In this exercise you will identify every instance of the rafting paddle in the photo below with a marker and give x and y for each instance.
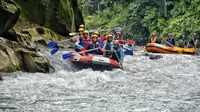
(54, 51)
(66, 56)
(169, 43)
(69, 55)
(54, 44)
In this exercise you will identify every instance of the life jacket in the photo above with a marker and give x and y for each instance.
(192, 42)
(119, 53)
(82, 44)
(86, 39)
(93, 46)
(100, 41)
(121, 40)
(103, 38)
(153, 40)
(170, 41)
(108, 46)
(128, 51)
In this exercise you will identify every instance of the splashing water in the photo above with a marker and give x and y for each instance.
(168, 84)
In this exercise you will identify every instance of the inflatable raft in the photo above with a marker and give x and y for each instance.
(158, 48)
(96, 62)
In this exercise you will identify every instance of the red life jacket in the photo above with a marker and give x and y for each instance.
(86, 39)
(93, 46)
(121, 40)
(103, 38)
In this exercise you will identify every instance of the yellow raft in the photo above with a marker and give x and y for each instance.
(158, 48)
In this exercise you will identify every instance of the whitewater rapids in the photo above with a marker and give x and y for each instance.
(169, 84)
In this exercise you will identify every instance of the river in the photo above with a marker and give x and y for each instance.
(169, 84)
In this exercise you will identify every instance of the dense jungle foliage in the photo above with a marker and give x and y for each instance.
(140, 18)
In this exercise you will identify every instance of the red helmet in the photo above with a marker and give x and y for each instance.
(130, 41)
(118, 32)
(116, 42)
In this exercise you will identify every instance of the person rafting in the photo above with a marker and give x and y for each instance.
(79, 35)
(154, 38)
(119, 37)
(117, 53)
(193, 42)
(170, 40)
(82, 26)
(80, 45)
(182, 41)
(94, 44)
(129, 47)
(108, 46)
(99, 40)
(86, 36)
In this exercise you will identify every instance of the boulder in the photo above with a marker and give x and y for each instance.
(8, 61)
(31, 36)
(15, 57)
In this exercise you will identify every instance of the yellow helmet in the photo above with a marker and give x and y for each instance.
(96, 33)
(82, 26)
(94, 36)
(85, 32)
(109, 35)
(80, 29)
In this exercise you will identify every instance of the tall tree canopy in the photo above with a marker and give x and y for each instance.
(139, 18)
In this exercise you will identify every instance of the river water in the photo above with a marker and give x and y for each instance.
(169, 84)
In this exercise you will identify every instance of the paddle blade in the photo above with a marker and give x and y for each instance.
(66, 56)
(72, 34)
(51, 44)
(54, 51)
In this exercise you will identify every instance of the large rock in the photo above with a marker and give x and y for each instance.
(62, 16)
(15, 57)
(9, 14)
(30, 34)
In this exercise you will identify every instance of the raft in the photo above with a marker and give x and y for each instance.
(96, 62)
(158, 48)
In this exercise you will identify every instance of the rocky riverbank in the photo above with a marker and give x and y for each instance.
(25, 26)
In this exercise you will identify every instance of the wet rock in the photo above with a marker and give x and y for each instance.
(9, 62)
(1, 79)
(15, 57)
(155, 57)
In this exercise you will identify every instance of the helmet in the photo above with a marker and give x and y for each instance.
(96, 33)
(130, 41)
(153, 33)
(116, 42)
(85, 32)
(109, 35)
(169, 34)
(183, 36)
(118, 32)
(82, 26)
(80, 29)
(194, 34)
(94, 36)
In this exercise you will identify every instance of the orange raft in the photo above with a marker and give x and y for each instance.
(158, 48)
(95, 62)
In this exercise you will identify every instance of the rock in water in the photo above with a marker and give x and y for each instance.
(15, 57)
(1, 79)
(155, 57)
